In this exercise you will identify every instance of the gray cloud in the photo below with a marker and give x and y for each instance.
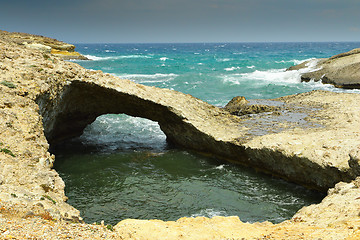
(184, 20)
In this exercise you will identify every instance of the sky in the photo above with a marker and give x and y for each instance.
(169, 21)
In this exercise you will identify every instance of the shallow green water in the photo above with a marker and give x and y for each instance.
(145, 181)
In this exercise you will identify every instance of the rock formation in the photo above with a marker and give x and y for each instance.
(44, 44)
(342, 70)
(311, 138)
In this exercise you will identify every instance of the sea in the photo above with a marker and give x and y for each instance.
(123, 167)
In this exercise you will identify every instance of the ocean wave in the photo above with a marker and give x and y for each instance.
(319, 85)
(295, 61)
(311, 66)
(223, 59)
(113, 131)
(209, 213)
(250, 67)
(232, 69)
(143, 78)
(273, 76)
(96, 58)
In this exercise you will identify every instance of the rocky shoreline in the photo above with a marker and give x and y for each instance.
(312, 139)
(341, 70)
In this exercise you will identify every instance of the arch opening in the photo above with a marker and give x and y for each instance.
(119, 132)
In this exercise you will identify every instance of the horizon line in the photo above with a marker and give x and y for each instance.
(230, 42)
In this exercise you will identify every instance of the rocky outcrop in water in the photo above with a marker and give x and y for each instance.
(342, 70)
(312, 139)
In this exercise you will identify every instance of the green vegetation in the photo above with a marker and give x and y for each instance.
(13, 195)
(6, 151)
(46, 56)
(8, 84)
(49, 198)
(110, 227)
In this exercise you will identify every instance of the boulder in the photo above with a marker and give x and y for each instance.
(239, 106)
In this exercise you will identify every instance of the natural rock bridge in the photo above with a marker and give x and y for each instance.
(279, 142)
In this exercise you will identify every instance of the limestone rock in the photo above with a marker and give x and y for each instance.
(239, 106)
(44, 44)
(342, 70)
(236, 104)
(38, 46)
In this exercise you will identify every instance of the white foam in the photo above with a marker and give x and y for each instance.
(279, 76)
(114, 131)
(273, 76)
(250, 67)
(209, 213)
(223, 59)
(295, 61)
(318, 85)
(164, 58)
(134, 56)
(96, 58)
(311, 66)
(231, 68)
(144, 78)
(109, 51)
(220, 167)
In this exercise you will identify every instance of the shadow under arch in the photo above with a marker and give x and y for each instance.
(185, 120)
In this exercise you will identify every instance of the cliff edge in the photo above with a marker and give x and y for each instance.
(44, 44)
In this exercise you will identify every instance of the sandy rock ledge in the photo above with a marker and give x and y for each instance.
(312, 139)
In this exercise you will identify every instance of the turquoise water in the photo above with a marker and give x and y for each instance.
(122, 167)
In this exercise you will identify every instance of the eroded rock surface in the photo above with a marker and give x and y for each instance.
(313, 139)
(43, 44)
(342, 70)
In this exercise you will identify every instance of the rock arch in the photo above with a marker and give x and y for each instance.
(186, 120)
(194, 124)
